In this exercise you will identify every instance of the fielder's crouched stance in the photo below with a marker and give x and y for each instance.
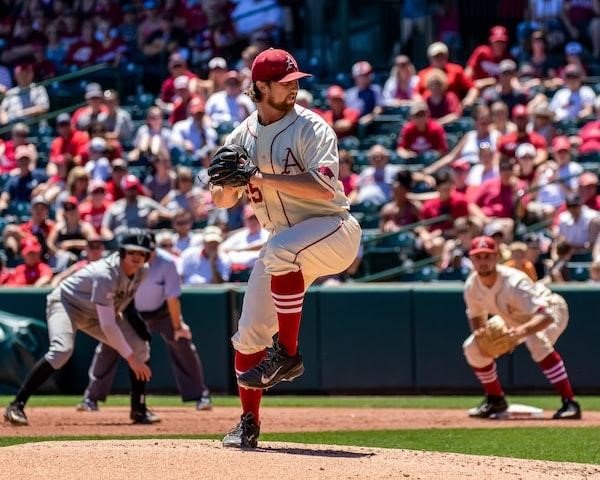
(524, 312)
(92, 300)
(285, 159)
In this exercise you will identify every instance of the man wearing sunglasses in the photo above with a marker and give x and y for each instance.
(92, 300)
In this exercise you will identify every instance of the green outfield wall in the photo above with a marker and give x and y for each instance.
(385, 338)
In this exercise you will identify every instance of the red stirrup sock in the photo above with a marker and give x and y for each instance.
(288, 295)
(488, 376)
(554, 368)
(250, 398)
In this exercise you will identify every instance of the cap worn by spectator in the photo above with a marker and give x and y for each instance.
(561, 143)
(507, 66)
(196, 105)
(525, 150)
(461, 165)
(39, 200)
(70, 200)
(418, 107)
(217, 63)
(519, 111)
(63, 118)
(498, 34)
(93, 90)
(493, 228)
(361, 68)
(232, 75)
(20, 128)
(23, 67)
(572, 71)
(588, 179)
(96, 185)
(26, 151)
(129, 182)
(212, 234)
(483, 244)
(437, 48)
(182, 81)
(30, 245)
(573, 199)
(98, 145)
(543, 110)
(573, 48)
(275, 65)
(119, 164)
(335, 91)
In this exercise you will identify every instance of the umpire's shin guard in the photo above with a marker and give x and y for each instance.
(138, 393)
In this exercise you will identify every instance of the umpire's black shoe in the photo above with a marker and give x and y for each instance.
(144, 417)
(570, 410)
(15, 414)
(491, 407)
(244, 434)
(276, 367)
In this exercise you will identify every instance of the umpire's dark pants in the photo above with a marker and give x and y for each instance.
(187, 367)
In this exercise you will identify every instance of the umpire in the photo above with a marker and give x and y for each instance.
(158, 304)
(92, 300)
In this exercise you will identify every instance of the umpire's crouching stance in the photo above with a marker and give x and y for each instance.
(92, 300)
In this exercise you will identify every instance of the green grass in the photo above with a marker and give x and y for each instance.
(581, 445)
(550, 402)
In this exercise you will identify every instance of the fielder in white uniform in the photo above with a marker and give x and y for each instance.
(297, 197)
(535, 315)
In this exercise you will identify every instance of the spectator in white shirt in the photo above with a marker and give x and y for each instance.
(575, 100)
(229, 104)
(184, 237)
(486, 168)
(365, 96)
(26, 99)
(243, 246)
(194, 135)
(204, 264)
(574, 223)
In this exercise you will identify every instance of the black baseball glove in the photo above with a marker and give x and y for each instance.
(231, 166)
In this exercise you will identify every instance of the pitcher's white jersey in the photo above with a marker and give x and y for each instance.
(298, 143)
(514, 296)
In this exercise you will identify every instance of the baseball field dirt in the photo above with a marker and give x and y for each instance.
(164, 459)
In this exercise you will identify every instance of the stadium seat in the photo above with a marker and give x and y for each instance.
(578, 272)
(461, 125)
(428, 273)
(399, 240)
(453, 274)
(592, 157)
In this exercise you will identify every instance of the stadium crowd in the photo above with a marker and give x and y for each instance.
(507, 144)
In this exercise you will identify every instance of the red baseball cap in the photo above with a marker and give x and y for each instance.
(71, 199)
(130, 181)
(483, 244)
(30, 245)
(335, 91)
(498, 34)
(461, 165)
(276, 65)
(561, 143)
(519, 111)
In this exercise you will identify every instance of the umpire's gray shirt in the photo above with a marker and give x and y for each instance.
(99, 283)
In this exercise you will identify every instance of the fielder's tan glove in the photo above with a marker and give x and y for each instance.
(496, 339)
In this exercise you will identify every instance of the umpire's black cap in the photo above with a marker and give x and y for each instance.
(137, 240)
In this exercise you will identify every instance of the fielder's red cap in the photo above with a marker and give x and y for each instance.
(276, 65)
(483, 244)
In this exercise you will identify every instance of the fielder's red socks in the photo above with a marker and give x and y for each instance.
(288, 295)
(554, 368)
(250, 398)
(488, 376)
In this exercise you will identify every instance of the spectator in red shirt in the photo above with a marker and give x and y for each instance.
(5, 273)
(177, 67)
(485, 60)
(83, 52)
(590, 137)
(69, 142)
(421, 134)
(18, 136)
(33, 272)
(444, 106)
(114, 191)
(92, 209)
(507, 144)
(349, 178)
(182, 99)
(38, 227)
(341, 118)
(497, 197)
(400, 211)
(110, 48)
(450, 202)
(458, 82)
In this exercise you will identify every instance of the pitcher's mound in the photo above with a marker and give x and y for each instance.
(206, 459)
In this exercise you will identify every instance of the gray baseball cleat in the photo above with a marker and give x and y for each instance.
(87, 405)
(144, 417)
(205, 403)
(244, 434)
(276, 367)
(15, 414)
